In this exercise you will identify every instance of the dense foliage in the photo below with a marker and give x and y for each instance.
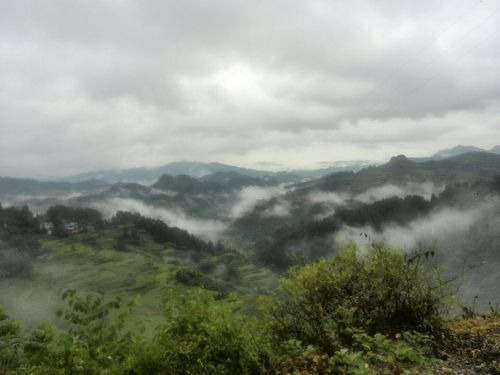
(59, 215)
(324, 303)
(352, 314)
(356, 312)
(18, 244)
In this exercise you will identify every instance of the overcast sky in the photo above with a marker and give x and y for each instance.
(87, 85)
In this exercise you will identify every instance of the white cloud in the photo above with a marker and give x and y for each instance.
(441, 226)
(425, 190)
(207, 229)
(280, 209)
(250, 196)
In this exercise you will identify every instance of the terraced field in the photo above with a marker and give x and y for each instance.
(144, 274)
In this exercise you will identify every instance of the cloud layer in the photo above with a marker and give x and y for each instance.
(99, 84)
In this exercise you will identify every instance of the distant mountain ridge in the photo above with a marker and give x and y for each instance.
(459, 150)
(11, 189)
(455, 151)
(200, 170)
(496, 149)
(150, 175)
(458, 164)
(464, 167)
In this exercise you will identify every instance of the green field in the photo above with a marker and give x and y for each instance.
(144, 273)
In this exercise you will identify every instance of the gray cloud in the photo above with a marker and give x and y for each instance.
(98, 84)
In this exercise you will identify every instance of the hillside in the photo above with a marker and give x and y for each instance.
(213, 183)
(131, 257)
(148, 175)
(466, 167)
(157, 309)
(119, 253)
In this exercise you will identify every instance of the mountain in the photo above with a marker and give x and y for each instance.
(16, 189)
(399, 170)
(235, 180)
(216, 182)
(149, 175)
(183, 184)
(334, 167)
(199, 170)
(457, 150)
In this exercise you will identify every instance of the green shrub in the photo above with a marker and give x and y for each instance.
(193, 277)
(93, 344)
(367, 355)
(9, 344)
(203, 336)
(380, 292)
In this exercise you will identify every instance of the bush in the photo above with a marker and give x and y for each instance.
(9, 344)
(368, 355)
(193, 277)
(324, 303)
(203, 336)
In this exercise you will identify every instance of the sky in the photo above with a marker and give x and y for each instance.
(93, 84)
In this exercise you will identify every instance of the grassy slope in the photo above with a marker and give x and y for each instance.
(88, 263)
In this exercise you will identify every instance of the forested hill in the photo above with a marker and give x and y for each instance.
(217, 182)
(400, 170)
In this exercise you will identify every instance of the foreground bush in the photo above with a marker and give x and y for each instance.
(202, 336)
(406, 353)
(358, 314)
(9, 344)
(325, 303)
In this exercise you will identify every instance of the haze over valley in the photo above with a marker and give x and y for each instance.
(281, 218)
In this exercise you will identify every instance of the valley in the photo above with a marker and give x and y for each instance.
(234, 239)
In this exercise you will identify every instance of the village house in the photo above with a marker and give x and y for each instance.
(47, 226)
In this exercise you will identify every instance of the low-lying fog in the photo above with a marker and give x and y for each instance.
(458, 233)
(207, 229)
(466, 242)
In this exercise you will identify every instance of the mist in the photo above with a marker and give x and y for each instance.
(206, 229)
(281, 208)
(465, 241)
(425, 190)
(17, 199)
(250, 196)
(332, 200)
